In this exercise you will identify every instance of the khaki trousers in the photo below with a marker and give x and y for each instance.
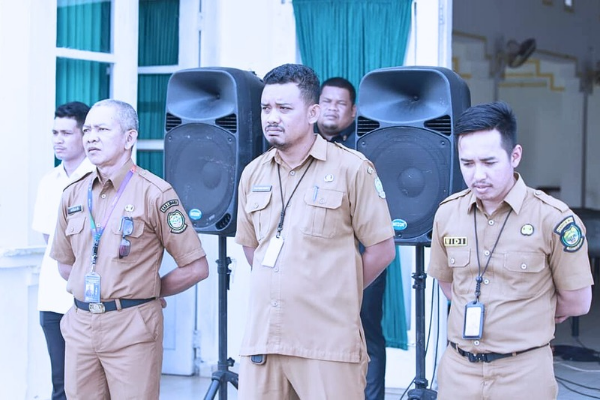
(287, 377)
(115, 355)
(526, 376)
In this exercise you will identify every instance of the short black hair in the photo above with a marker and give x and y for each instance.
(75, 110)
(486, 117)
(341, 83)
(303, 76)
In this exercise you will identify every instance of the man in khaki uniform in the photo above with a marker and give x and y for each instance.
(303, 208)
(112, 229)
(512, 260)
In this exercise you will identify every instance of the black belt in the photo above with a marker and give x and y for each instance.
(488, 357)
(99, 308)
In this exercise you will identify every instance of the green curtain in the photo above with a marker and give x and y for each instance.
(84, 25)
(81, 80)
(352, 37)
(394, 314)
(158, 45)
(158, 32)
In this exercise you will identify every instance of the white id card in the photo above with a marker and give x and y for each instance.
(473, 328)
(273, 251)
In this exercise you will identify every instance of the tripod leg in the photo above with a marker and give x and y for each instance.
(212, 390)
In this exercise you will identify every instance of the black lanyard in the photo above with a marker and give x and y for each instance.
(479, 278)
(285, 206)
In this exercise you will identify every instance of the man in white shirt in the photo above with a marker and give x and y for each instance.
(53, 298)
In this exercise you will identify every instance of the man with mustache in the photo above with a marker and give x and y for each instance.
(304, 206)
(53, 298)
(513, 261)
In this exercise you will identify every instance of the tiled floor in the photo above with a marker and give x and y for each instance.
(578, 380)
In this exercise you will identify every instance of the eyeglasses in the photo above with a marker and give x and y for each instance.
(126, 229)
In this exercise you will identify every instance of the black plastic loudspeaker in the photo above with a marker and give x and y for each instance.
(212, 132)
(404, 126)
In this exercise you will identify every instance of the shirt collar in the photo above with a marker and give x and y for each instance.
(120, 175)
(514, 198)
(318, 151)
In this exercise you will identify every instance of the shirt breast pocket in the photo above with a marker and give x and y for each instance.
(525, 274)
(256, 207)
(75, 232)
(323, 214)
(463, 275)
(131, 246)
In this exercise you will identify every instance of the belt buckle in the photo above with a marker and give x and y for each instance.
(97, 308)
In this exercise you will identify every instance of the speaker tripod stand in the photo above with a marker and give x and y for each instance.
(420, 392)
(222, 375)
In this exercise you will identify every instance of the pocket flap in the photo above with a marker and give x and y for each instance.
(524, 262)
(257, 201)
(75, 226)
(458, 258)
(325, 198)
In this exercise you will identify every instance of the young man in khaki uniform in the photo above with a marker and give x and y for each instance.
(113, 227)
(303, 208)
(512, 260)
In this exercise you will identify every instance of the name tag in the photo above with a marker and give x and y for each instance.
(261, 188)
(74, 209)
(454, 241)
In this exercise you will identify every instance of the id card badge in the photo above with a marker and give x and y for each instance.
(473, 328)
(273, 251)
(92, 288)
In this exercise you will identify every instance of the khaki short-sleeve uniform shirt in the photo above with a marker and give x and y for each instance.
(159, 222)
(308, 303)
(541, 248)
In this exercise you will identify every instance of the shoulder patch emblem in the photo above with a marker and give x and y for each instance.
(176, 221)
(570, 234)
(379, 188)
(168, 205)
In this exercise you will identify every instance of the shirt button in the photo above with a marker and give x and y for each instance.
(452, 261)
(476, 342)
(274, 303)
(523, 266)
(491, 222)
(486, 253)
(486, 281)
(276, 269)
(103, 195)
(255, 205)
(292, 173)
(321, 201)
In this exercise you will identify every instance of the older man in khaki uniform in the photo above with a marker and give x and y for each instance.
(113, 227)
(512, 259)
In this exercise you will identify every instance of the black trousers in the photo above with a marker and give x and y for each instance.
(50, 322)
(371, 314)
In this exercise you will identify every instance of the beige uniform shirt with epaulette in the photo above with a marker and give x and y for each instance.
(541, 249)
(159, 222)
(308, 303)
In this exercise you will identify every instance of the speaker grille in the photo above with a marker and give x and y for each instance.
(200, 164)
(413, 165)
(365, 125)
(229, 123)
(441, 124)
(171, 122)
